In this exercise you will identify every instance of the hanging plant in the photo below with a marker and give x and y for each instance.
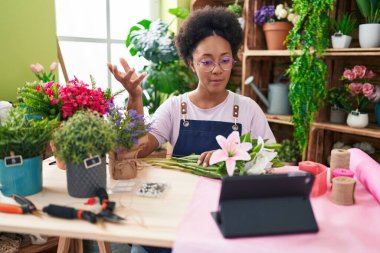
(308, 70)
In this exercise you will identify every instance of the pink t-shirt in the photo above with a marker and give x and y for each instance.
(166, 120)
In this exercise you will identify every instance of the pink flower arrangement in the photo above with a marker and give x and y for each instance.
(362, 92)
(77, 95)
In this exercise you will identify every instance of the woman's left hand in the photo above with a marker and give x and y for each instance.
(204, 158)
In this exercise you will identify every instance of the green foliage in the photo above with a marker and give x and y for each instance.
(308, 71)
(23, 136)
(289, 151)
(345, 25)
(85, 134)
(339, 97)
(235, 8)
(37, 102)
(166, 73)
(370, 9)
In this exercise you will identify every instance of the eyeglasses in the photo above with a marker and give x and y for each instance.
(208, 65)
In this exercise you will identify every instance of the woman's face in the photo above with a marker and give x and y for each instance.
(212, 62)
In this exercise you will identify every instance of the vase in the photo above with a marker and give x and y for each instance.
(340, 41)
(377, 113)
(369, 35)
(337, 115)
(275, 34)
(357, 119)
(123, 164)
(25, 179)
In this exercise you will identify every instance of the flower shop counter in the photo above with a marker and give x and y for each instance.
(149, 221)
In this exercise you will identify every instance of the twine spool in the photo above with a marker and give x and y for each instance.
(340, 158)
(343, 189)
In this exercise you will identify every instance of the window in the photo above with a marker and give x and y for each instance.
(92, 33)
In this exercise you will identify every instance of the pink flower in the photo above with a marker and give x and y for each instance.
(38, 88)
(368, 90)
(53, 66)
(369, 74)
(359, 71)
(355, 88)
(54, 101)
(232, 150)
(349, 75)
(36, 68)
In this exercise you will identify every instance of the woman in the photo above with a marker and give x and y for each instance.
(207, 41)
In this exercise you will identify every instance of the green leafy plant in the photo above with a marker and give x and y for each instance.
(345, 25)
(308, 70)
(370, 9)
(85, 134)
(339, 97)
(24, 136)
(235, 8)
(166, 73)
(289, 151)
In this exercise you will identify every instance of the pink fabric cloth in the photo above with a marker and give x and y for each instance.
(367, 171)
(353, 228)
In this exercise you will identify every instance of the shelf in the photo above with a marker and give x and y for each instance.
(371, 131)
(280, 119)
(329, 52)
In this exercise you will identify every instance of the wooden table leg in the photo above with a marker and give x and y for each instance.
(104, 247)
(63, 245)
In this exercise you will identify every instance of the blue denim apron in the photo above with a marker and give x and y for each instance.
(198, 136)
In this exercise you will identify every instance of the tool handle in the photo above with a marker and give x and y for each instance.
(101, 193)
(8, 208)
(24, 201)
(69, 213)
(60, 211)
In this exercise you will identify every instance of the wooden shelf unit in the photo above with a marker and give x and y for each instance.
(263, 64)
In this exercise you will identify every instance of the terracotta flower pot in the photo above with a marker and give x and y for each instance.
(123, 164)
(275, 34)
(60, 163)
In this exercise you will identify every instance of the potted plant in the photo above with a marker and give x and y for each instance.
(289, 152)
(276, 22)
(369, 33)
(338, 99)
(238, 10)
(166, 74)
(361, 91)
(22, 142)
(129, 127)
(83, 142)
(343, 29)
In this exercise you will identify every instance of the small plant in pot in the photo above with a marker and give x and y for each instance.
(83, 142)
(238, 10)
(343, 29)
(289, 152)
(369, 32)
(338, 99)
(130, 128)
(22, 142)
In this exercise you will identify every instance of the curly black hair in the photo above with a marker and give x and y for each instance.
(206, 22)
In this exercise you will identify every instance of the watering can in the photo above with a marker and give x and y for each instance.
(277, 101)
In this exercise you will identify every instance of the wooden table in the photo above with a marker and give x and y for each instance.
(149, 221)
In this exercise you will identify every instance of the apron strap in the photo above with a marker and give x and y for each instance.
(185, 122)
(235, 112)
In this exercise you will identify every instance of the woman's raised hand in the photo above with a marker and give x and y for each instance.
(128, 79)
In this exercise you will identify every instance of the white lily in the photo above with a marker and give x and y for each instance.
(262, 161)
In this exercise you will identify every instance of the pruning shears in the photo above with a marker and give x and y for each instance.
(26, 206)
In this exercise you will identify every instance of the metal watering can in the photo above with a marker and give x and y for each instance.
(277, 101)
